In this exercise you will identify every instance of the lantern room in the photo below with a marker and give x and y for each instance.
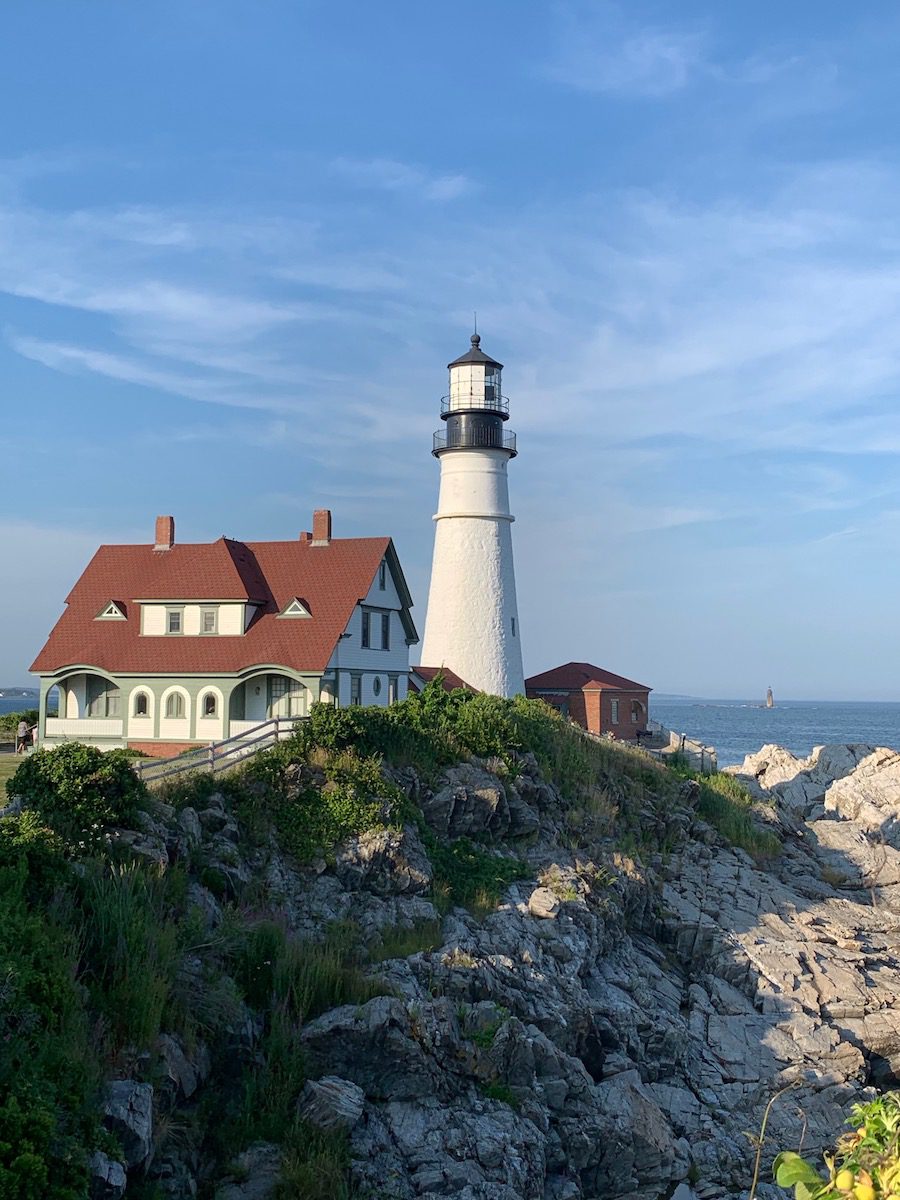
(475, 383)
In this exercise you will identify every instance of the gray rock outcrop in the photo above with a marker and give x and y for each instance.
(128, 1113)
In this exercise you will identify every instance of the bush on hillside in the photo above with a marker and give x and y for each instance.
(47, 1079)
(24, 840)
(78, 790)
(313, 815)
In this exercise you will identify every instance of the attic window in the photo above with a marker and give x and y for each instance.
(112, 612)
(296, 608)
(382, 576)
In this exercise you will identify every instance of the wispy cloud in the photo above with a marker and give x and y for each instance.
(600, 49)
(388, 175)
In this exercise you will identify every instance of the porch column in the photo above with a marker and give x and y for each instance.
(46, 685)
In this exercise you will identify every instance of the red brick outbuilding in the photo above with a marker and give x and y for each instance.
(596, 699)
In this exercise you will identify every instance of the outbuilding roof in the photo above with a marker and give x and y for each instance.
(449, 679)
(582, 677)
(332, 578)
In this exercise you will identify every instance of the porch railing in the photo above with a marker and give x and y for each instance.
(78, 727)
(218, 756)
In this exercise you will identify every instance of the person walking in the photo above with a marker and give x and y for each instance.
(21, 736)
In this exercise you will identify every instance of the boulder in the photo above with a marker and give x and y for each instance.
(108, 1179)
(189, 824)
(543, 903)
(256, 1174)
(331, 1103)
(383, 1048)
(385, 861)
(473, 801)
(128, 1113)
(179, 1071)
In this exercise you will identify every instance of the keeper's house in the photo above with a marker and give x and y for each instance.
(596, 699)
(164, 646)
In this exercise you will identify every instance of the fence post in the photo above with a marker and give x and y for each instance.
(212, 758)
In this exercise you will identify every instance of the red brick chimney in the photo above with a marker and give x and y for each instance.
(321, 527)
(305, 536)
(165, 533)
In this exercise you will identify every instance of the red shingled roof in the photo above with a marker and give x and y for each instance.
(331, 579)
(579, 676)
(450, 679)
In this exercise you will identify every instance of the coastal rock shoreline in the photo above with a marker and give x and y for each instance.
(614, 1027)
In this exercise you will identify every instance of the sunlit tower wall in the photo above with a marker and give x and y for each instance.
(472, 623)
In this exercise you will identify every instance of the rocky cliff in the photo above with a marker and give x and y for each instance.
(611, 1023)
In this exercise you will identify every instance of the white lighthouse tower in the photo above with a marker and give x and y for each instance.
(472, 625)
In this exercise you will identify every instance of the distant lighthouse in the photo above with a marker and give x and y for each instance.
(472, 624)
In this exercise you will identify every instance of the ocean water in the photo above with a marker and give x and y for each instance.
(737, 727)
(10, 704)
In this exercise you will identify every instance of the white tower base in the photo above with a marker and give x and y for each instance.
(472, 625)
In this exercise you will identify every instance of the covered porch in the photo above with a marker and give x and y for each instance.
(90, 708)
(269, 693)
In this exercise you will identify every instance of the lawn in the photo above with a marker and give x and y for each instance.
(8, 764)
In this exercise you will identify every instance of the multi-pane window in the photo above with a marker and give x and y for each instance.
(356, 689)
(385, 631)
(208, 620)
(366, 629)
(103, 698)
(382, 576)
(286, 697)
(614, 710)
(173, 620)
(175, 706)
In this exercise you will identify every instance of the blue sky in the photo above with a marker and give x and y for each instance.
(240, 240)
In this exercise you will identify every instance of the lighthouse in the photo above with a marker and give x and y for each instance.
(472, 624)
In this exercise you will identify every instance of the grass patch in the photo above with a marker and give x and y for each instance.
(727, 805)
(500, 1091)
(8, 764)
(467, 874)
(398, 942)
(276, 970)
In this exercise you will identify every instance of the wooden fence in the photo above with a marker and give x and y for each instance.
(219, 756)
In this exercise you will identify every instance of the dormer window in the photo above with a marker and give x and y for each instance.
(295, 608)
(174, 620)
(209, 620)
(114, 611)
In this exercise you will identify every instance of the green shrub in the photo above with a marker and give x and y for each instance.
(24, 839)
(309, 818)
(48, 1075)
(79, 791)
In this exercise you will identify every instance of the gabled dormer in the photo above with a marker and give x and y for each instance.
(295, 608)
(115, 610)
